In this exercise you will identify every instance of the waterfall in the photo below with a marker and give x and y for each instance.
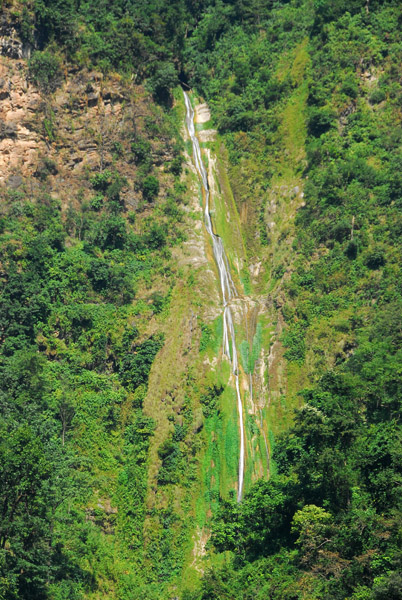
(228, 288)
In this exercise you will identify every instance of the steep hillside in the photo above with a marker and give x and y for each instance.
(313, 132)
(121, 375)
(92, 209)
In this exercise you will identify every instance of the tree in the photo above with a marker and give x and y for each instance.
(312, 525)
(135, 366)
(162, 82)
(24, 523)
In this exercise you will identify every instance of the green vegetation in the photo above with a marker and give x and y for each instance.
(72, 365)
(150, 187)
(104, 488)
(318, 108)
(45, 70)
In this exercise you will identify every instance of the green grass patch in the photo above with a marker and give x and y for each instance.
(204, 126)
(189, 147)
(229, 442)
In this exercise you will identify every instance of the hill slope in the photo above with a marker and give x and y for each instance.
(119, 434)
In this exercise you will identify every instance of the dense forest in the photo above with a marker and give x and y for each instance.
(110, 410)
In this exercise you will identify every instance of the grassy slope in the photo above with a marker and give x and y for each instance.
(282, 200)
(178, 513)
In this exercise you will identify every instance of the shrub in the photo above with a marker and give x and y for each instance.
(158, 301)
(150, 187)
(101, 181)
(350, 87)
(45, 70)
(207, 337)
(209, 400)
(141, 150)
(156, 237)
(375, 259)
(293, 340)
(96, 202)
(351, 249)
(377, 96)
(176, 165)
(320, 121)
(135, 366)
(114, 188)
(99, 275)
(45, 168)
(110, 184)
(111, 233)
(169, 453)
(341, 230)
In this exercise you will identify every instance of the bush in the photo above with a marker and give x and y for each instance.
(377, 96)
(349, 87)
(45, 70)
(99, 275)
(156, 237)
(100, 181)
(341, 230)
(158, 301)
(110, 184)
(293, 340)
(45, 168)
(351, 250)
(375, 259)
(210, 400)
(150, 187)
(135, 365)
(114, 188)
(320, 121)
(111, 233)
(96, 202)
(176, 166)
(141, 150)
(169, 453)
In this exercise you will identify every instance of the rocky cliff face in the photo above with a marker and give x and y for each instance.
(54, 142)
(20, 143)
(11, 44)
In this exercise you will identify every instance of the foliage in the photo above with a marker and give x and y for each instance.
(323, 517)
(135, 366)
(299, 91)
(45, 70)
(150, 187)
(162, 82)
(69, 357)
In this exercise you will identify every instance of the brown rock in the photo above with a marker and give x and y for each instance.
(14, 181)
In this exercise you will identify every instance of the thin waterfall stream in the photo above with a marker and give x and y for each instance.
(228, 288)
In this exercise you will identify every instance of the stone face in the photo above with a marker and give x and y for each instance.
(14, 181)
(8, 129)
(207, 135)
(75, 128)
(202, 114)
(92, 99)
(10, 44)
(19, 143)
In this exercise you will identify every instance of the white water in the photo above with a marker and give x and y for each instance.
(227, 286)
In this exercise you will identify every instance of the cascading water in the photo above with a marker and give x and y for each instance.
(227, 286)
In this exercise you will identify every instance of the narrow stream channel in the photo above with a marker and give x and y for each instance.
(228, 288)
